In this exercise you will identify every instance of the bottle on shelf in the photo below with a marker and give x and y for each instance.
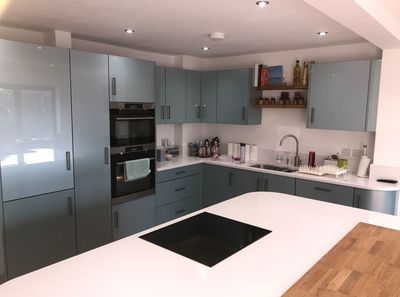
(305, 74)
(297, 74)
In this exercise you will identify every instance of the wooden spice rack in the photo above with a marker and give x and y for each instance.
(283, 88)
(297, 106)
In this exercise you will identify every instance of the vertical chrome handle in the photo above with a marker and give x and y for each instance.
(68, 160)
(312, 115)
(168, 112)
(162, 112)
(266, 185)
(106, 155)
(230, 179)
(114, 86)
(70, 206)
(116, 223)
(243, 114)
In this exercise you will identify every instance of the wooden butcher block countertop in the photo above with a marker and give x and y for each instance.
(366, 262)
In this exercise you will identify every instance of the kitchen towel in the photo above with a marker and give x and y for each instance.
(363, 167)
(137, 169)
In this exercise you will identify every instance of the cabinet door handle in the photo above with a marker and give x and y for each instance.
(312, 115)
(258, 184)
(198, 111)
(266, 185)
(168, 112)
(180, 211)
(243, 114)
(230, 179)
(322, 189)
(113, 86)
(162, 112)
(180, 172)
(116, 223)
(106, 161)
(68, 160)
(70, 206)
(180, 189)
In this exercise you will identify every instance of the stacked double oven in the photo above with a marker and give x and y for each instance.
(132, 132)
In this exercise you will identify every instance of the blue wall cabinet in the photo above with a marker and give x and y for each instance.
(131, 80)
(90, 115)
(381, 201)
(218, 184)
(208, 108)
(39, 231)
(325, 192)
(160, 95)
(236, 98)
(338, 95)
(280, 184)
(36, 144)
(193, 100)
(247, 181)
(373, 94)
(175, 96)
(134, 216)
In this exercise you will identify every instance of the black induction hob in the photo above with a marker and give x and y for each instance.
(206, 238)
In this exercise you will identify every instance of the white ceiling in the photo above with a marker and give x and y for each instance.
(182, 27)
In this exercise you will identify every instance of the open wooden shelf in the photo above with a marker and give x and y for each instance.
(283, 88)
(281, 106)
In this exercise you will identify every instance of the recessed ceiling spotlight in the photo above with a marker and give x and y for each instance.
(39, 47)
(262, 3)
(205, 48)
(323, 33)
(129, 31)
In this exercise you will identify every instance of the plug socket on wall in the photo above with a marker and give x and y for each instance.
(356, 153)
(346, 152)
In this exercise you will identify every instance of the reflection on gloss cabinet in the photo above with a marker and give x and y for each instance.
(35, 107)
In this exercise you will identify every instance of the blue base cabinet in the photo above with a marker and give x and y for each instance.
(381, 201)
(134, 216)
(279, 184)
(218, 184)
(39, 231)
(247, 181)
(325, 192)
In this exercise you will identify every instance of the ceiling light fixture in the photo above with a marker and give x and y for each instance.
(205, 48)
(39, 48)
(262, 3)
(323, 33)
(129, 31)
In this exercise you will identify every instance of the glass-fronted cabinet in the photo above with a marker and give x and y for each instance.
(35, 117)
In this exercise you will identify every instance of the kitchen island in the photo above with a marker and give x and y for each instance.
(303, 230)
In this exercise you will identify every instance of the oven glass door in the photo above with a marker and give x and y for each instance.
(120, 186)
(126, 131)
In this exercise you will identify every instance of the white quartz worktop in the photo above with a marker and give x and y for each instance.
(347, 180)
(303, 230)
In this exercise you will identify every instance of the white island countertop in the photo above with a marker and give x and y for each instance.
(303, 230)
(350, 180)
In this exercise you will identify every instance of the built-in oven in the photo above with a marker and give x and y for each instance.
(132, 133)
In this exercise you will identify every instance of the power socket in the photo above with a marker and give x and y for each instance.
(346, 152)
(356, 153)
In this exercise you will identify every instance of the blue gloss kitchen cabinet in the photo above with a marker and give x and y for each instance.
(381, 201)
(218, 184)
(36, 146)
(133, 216)
(325, 192)
(342, 96)
(278, 183)
(193, 98)
(170, 95)
(39, 231)
(91, 137)
(179, 192)
(131, 80)
(208, 105)
(236, 98)
(247, 181)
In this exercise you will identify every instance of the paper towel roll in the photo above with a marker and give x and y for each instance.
(236, 151)
(230, 149)
(247, 156)
(363, 167)
(254, 153)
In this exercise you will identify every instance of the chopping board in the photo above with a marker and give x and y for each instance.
(366, 262)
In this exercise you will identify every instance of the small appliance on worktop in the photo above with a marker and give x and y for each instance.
(132, 131)
(206, 238)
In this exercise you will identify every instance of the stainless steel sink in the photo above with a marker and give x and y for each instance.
(273, 167)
